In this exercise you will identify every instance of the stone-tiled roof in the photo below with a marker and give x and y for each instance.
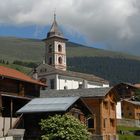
(88, 77)
(92, 92)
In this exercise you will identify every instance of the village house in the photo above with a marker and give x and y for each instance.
(16, 89)
(102, 103)
(53, 70)
(41, 108)
(131, 109)
(124, 91)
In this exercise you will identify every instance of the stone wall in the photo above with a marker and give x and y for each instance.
(7, 125)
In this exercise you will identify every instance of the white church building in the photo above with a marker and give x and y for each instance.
(53, 70)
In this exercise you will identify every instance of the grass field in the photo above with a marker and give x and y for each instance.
(13, 48)
(17, 67)
(128, 133)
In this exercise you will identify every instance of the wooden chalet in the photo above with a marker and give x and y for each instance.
(102, 103)
(41, 108)
(16, 89)
(131, 109)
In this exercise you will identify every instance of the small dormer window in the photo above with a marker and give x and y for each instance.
(59, 48)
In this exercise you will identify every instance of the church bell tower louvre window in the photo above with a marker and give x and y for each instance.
(60, 60)
(59, 48)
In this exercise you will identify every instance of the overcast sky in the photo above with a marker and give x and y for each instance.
(114, 23)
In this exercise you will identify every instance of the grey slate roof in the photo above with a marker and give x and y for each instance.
(88, 77)
(48, 105)
(91, 92)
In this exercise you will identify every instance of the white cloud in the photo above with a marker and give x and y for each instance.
(111, 21)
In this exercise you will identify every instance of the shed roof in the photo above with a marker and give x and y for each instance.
(14, 74)
(91, 92)
(48, 105)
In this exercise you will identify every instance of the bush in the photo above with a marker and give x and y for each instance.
(63, 127)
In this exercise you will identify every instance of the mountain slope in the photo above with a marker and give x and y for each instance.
(113, 66)
(33, 50)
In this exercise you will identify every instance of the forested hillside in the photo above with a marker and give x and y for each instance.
(113, 66)
(115, 70)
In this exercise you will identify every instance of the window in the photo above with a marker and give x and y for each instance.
(80, 86)
(52, 82)
(112, 122)
(105, 104)
(90, 123)
(50, 60)
(59, 48)
(65, 87)
(60, 60)
(112, 106)
(127, 108)
(130, 114)
(105, 123)
(50, 48)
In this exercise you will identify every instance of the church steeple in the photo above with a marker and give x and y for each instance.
(54, 30)
(55, 51)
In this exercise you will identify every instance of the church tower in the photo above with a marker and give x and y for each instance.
(55, 47)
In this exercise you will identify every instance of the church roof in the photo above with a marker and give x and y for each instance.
(89, 77)
(54, 30)
(90, 92)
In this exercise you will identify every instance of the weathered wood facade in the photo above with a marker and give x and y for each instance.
(16, 89)
(31, 118)
(131, 109)
(102, 103)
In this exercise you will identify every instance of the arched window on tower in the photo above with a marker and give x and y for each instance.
(50, 61)
(59, 48)
(60, 60)
(50, 49)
